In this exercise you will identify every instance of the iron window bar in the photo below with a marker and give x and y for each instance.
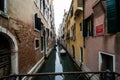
(102, 75)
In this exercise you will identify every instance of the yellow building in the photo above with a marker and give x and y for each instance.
(74, 37)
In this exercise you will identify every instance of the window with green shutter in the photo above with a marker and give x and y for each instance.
(38, 22)
(112, 16)
(88, 26)
(2, 5)
(84, 28)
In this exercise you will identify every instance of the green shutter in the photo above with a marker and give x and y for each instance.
(85, 28)
(112, 16)
(92, 26)
(36, 21)
(118, 6)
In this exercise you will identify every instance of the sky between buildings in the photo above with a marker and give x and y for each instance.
(59, 7)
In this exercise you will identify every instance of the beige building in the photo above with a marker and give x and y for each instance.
(25, 35)
(62, 30)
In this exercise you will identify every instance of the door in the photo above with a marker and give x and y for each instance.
(5, 56)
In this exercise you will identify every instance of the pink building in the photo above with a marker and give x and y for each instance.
(102, 37)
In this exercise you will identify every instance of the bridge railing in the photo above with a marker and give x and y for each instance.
(101, 75)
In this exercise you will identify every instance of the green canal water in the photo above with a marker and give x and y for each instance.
(58, 63)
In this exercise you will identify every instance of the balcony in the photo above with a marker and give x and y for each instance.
(79, 8)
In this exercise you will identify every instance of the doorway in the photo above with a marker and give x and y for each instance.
(5, 56)
(8, 53)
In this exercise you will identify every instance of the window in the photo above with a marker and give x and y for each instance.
(38, 23)
(47, 32)
(68, 35)
(113, 16)
(74, 32)
(50, 34)
(42, 43)
(81, 26)
(81, 54)
(71, 11)
(106, 61)
(2, 5)
(41, 6)
(73, 51)
(44, 4)
(36, 43)
(88, 26)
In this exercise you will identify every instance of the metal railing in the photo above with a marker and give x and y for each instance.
(101, 75)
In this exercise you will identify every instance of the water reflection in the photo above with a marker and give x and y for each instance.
(58, 65)
(48, 66)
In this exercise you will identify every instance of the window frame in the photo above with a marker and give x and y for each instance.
(100, 60)
(36, 39)
(71, 12)
(74, 32)
(36, 23)
(88, 26)
(42, 43)
(81, 26)
(5, 8)
(81, 55)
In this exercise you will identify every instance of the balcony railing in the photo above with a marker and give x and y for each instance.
(101, 75)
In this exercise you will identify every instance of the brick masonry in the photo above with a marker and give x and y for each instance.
(25, 35)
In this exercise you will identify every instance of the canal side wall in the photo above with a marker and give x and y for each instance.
(70, 56)
(21, 23)
(38, 65)
(18, 20)
(81, 67)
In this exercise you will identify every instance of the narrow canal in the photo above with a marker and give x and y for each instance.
(59, 63)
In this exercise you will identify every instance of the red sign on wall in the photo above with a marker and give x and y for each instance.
(99, 30)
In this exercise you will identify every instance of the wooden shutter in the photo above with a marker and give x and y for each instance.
(36, 21)
(39, 23)
(85, 28)
(91, 26)
(112, 15)
(118, 6)
(2, 5)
